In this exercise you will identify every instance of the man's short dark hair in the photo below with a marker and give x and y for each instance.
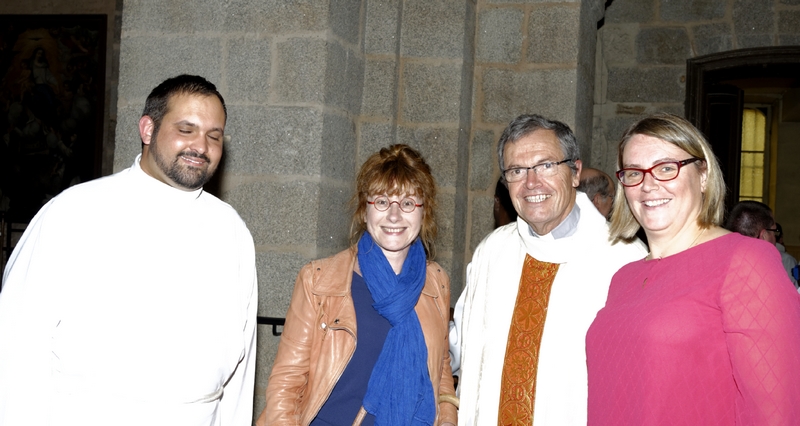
(749, 218)
(526, 124)
(156, 104)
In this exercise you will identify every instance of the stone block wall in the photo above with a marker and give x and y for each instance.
(292, 74)
(530, 57)
(643, 46)
(315, 87)
(417, 91)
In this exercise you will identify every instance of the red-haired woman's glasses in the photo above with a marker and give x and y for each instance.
(382, 204)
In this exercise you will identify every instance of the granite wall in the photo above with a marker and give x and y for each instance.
(643, 46)
(315, 86)
(642, 50)
(530, 57)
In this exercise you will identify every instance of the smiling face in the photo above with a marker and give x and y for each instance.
(394, 230)
(543, 202)
(187, 148)
(663, 209)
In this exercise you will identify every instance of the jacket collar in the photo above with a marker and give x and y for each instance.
(329, 272)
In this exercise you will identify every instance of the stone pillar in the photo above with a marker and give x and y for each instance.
(292, 74)
(531, 57)
(314, 87)
(418, 91)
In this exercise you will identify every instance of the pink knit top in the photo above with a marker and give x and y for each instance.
(709, 336)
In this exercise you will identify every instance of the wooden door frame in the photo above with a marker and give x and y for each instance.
(699, 69)
(704, 72)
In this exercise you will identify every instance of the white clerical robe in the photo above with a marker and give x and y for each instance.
(129, 302)
(587, 261)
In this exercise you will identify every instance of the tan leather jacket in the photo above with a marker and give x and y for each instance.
(320, 337)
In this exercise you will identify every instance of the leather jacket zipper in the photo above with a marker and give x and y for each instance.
(340, 371)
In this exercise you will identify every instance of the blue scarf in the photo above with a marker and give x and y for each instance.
(399, 390)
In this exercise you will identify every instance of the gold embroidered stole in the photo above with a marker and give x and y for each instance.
(518, 386)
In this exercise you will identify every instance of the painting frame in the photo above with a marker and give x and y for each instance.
(52, 107)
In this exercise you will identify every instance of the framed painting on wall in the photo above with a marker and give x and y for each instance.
(52, 107)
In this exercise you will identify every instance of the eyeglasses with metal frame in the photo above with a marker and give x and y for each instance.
(662, 172)
(516, 174)
(382, 203)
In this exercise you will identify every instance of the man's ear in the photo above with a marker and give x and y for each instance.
(146, 127)
(597, 200)
(576, 177)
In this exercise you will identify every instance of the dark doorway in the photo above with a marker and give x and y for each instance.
(720, 85)
(766, 80)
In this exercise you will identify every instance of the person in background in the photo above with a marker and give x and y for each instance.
(503, 211)
(755, 219)
(534, 286)
(789, 262)
(385, 293)
(599, 187)
(705, 329)
(131, 299)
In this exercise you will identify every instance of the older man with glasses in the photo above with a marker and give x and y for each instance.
(534, 287)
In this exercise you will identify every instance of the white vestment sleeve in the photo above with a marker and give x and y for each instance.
(456, 328)
(236, 406)
(27, 324)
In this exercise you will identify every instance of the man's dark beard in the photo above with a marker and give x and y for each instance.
(185, 176)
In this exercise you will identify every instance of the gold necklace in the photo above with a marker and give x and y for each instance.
(650, 255)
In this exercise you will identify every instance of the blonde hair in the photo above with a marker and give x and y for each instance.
(396, 170)
(679, 132)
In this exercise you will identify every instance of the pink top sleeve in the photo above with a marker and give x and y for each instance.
(760, 317)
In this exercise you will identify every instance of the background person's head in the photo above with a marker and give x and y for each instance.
(396, 171)
(503, 210)
(683, 136)
(182, 129)
(752, 219)
(545, 195)
(599, 187)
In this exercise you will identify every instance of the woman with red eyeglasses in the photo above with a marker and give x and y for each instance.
(704, 330)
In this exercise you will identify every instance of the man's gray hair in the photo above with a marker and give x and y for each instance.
(528, 123)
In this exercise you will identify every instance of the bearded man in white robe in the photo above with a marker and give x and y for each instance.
(131, 299)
